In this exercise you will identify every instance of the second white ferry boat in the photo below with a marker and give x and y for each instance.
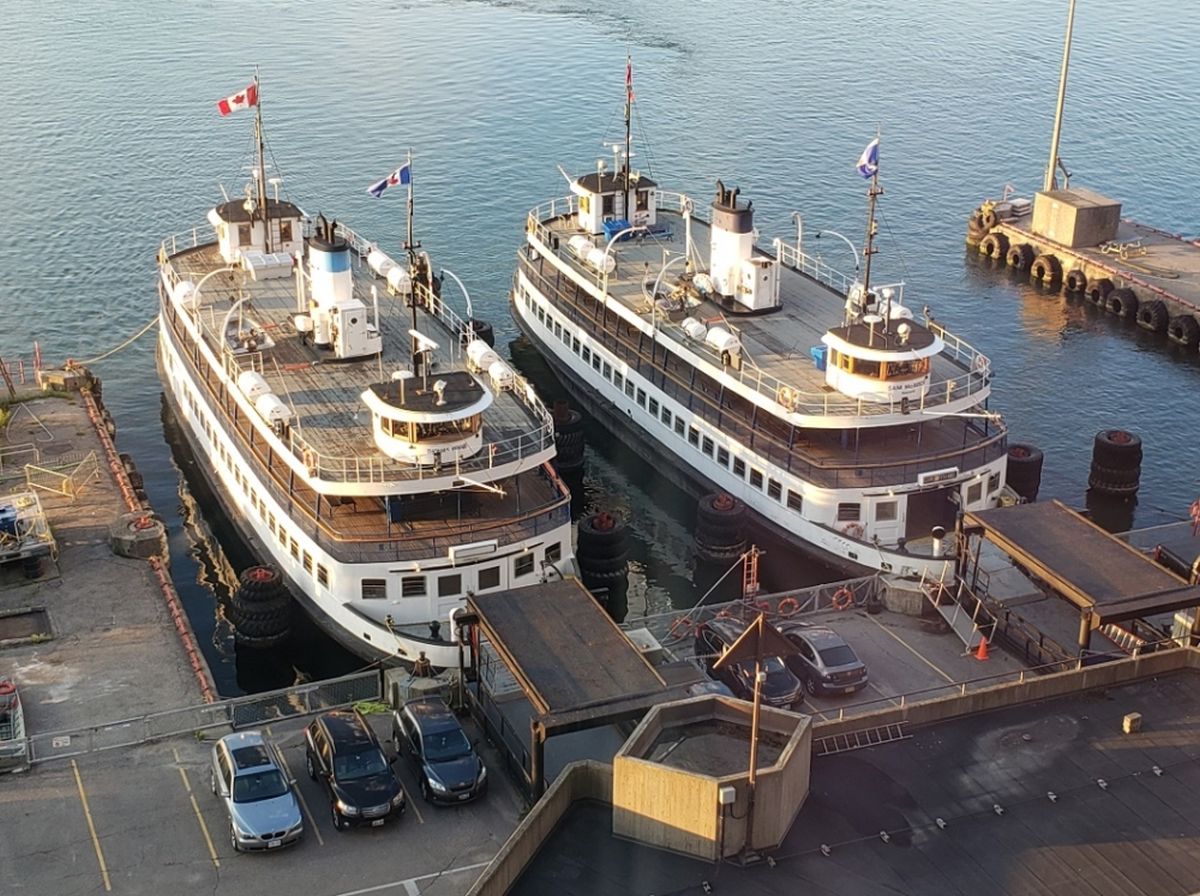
(851, 427)
(357, 432)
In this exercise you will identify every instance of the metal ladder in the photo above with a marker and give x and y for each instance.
(858, 740)
(965, 625)
(1128, 641)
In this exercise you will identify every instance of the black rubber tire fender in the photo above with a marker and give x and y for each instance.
(1046, 269)
(1020, 257)
(1098, 290)
(1184, 330)
(1117, 449)
(1154, 316)
(994, 246)
(1122, 302)
(1075, 281)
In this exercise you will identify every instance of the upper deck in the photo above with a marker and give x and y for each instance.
(329, 435)
(776, 345)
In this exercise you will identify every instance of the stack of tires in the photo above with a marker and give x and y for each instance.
(720, 522)
(1116, 464)
(261, 609)
(479, 329)
(568, 440)
(602, 552)
(1025, 470)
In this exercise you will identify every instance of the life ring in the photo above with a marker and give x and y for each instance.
(843, 599)
(854, 530)
(680, 627)
(310, 461)
(789, 607)
(981, 364)
(7, 687)
(786, 397)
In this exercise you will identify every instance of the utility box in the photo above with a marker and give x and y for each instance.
(1077, 218)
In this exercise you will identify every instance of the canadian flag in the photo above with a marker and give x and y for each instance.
(243, 100)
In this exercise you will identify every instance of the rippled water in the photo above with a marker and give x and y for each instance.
(111, 142)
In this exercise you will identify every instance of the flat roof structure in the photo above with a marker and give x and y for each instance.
(1043, 798)
(1097, 572)
(562, 647)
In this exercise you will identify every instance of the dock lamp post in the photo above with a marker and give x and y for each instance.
(844, 239)
(467, 296)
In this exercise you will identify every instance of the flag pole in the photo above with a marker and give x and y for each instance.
(628, 114)
(411, 247)
(873, 192)
(262, 164)
(408, 244)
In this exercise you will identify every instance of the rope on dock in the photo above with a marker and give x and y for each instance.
(174, 607)
(128, 342)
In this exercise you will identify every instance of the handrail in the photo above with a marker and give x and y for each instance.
(375, 468)
(942, 394)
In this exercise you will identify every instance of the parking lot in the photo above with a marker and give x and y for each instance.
(143, 821)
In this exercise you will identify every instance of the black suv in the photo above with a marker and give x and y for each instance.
(428, 733)
(781, 687)
(341, 750)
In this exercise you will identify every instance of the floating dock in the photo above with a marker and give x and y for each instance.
(1076, 241)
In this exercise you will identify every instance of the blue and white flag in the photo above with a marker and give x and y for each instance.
(868, 162)
(402, 175)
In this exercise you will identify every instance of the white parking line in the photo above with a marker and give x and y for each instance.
(410, 884)
(312, 821)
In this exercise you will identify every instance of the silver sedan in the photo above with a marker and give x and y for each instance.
(247, 776)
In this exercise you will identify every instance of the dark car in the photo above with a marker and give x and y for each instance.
(342, 752)
(824, 661)
(781, 687)
(429, 734)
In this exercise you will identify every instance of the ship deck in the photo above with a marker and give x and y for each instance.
(324, 393)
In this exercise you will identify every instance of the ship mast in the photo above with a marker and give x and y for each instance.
(873, 193)
(1050, 181)
(628, 111)
(262, 163)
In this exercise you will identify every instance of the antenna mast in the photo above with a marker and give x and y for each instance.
(262, 164)
(628, 111)
(873, 193)
(1050, 181)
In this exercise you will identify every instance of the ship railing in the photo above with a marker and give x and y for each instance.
(186, 239)
(814, 266)
(459, 329)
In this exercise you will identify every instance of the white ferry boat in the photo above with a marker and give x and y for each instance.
(360, 436)
(850, 426)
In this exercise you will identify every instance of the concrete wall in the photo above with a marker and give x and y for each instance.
(1032, 689)
(780, 794)
(587, 780)
(665, 807)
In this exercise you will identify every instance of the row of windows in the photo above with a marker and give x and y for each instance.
(451, 584)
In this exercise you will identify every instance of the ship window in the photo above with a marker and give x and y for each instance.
(412, 586)
(489, 578)
(666, 417)
(707, 446)
(723, 457)
(618, 380)
(554, 552)
(271, 522)
(285, 231)
(643, 200)
(374, 589)
(866, 368)
(596, 363)
(774, 489)
(575, 344)
(449, 586)
(848, 513)
(679, 426)
(587, 354)
(523, 565)
(558, 329)
(907, 369)
(308, 562)
(295, 549)
(654, 407)
(607, 371)
(974, 492)
(609, 204)
(756, 478)
(693, 437)
(322, 576)
(739, 468)
(993, 482)
(641, 397)
(885, 512)
(243, 234)
(585, 204)
(629, 388)
(794, 501)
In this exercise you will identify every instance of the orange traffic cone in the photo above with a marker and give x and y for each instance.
(981, 652)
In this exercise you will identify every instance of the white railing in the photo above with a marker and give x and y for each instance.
(941, 394)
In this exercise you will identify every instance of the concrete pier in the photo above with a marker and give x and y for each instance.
(115, 649)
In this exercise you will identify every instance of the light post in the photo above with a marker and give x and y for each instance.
(467, 296)
(845, 240)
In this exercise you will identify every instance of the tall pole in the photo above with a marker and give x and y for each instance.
(408, 243)
(262, 162)
(411, 247)
(628, 114)
(753, 776)
(873, 193)
(1050, 182)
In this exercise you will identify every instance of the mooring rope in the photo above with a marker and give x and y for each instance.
(128, 342)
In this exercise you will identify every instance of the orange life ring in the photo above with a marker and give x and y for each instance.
(7, 687)
(789, 606)
(854, 530)
(843, 599)
(310, 461)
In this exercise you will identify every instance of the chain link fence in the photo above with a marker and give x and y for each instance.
(238, 712)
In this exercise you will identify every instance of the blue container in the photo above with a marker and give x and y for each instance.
(615, 226)
(818, 355)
